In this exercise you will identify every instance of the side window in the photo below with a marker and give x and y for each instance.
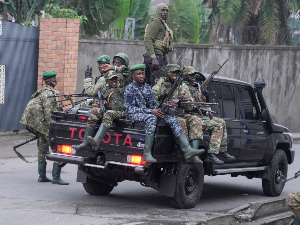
(228, 101)
(247, 105)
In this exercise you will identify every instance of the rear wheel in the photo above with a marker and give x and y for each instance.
(278, 170)
(189, 186)
(94, 187)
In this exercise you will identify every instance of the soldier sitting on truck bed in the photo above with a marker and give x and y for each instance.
(141, 106)
(191, 124)
(217, 126)
(113, 96)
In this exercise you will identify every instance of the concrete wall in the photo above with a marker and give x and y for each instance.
(278, 65)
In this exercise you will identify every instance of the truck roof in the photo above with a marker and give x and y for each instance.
(226, 79)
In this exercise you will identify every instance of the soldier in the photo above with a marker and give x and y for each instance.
(113, 96)
(191, 124)
(141, 106)
(37, 118)
(293, 202)
(158, 41)
(217, 126)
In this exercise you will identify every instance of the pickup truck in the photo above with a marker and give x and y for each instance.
(262, 149)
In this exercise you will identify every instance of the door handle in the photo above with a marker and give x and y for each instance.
(245, 131)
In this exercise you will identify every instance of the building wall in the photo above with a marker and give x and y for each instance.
(278, 65)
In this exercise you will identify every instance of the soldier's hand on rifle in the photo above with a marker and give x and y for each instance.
(171, 103)
(203, 89)
(88, 72)
(155, 64)
(184, 97)
(157, 113)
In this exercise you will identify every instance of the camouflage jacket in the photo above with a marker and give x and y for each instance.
(114, 98)
(163, 85)
(37, 114)
(92, 89)
(135, 101)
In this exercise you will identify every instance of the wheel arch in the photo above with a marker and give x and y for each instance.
(286, 147)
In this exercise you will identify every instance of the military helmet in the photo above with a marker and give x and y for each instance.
(173, 67)
(122, 56)
(189, 70)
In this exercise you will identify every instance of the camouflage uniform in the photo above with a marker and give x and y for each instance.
(217, 126)
(37, 117)
(114, 97)
(138, 110)
(191, 124)
(293, 202)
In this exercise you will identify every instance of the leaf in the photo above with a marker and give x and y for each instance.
(229, 10)
(134, 7)
(119, 24)
(243, 15)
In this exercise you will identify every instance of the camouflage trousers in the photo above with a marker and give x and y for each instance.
(151, 122)
(107, 119)
(43, 147)
(293, 202)
(218, 139)
(191, 126)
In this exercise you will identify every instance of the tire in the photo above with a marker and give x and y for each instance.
(278, 171)
(189, 186)
(94, 187)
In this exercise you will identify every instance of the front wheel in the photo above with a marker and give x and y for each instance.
(189, 186)
(94, 187)
(278, 170)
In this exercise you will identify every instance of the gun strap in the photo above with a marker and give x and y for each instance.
(109, 97)
(146, 100)
(22, 157)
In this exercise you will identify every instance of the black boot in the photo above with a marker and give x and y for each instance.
(195, 159)
(88, 132)
(56, 175)
(95, 142)
(186, 148)
(226, 155)
(211, 157)
(147, 156)
(42, 172)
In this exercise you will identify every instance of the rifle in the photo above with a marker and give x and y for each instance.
(168, 96)
(77, 102)
(68, 98)
(192, 57)
(200, 107)
(182, 55)
(21, 144)
(101, 102)
(210, 77)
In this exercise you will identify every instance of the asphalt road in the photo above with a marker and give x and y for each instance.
(25, 201)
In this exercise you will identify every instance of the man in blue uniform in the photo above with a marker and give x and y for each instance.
(141, 106)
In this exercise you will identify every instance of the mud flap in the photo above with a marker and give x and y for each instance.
(167, 184)
(81, 176)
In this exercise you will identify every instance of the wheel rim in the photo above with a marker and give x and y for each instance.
(279, 174)
(191, 182)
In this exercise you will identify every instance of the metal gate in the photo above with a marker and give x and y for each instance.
(19, 48)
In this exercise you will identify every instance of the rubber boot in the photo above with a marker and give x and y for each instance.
(42, 172)
(56, 175)
(296, 221)
(95, 142)
(147, 156)
(186, 148)
(88, 132)
(195, 159)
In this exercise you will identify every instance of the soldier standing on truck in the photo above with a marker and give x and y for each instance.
(217, 126)
(293, 202)
(113, 96)
(141, 106)
(37, 118)
(158, 41)
(191, 124)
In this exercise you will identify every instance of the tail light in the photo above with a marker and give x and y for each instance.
(66, 149)
(82, 118)
(136, 159)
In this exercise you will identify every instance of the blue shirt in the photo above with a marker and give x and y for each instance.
(135, 102)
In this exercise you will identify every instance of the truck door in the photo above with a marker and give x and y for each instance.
(225, 97)
(253, 135)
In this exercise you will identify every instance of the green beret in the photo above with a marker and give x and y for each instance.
(49, 74)
(103, 59)
(138, 67)
(110, 74)
(173, 67)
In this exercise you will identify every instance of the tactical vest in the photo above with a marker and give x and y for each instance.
(167, 42)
